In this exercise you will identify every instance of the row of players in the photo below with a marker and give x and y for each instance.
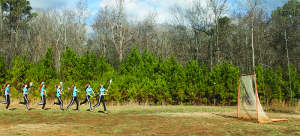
(43, 94)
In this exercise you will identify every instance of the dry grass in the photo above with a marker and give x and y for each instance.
(278, 106)
(133, 119)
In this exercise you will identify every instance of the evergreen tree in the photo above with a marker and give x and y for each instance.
(3, 73)
(70, 65)
(19, 68)
(175, 77)
(3, 70)
(230, 77)
(48, 65)
(18, 13)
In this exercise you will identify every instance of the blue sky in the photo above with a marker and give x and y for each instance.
(138, 8)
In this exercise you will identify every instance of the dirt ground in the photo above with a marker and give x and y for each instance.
(139, 120)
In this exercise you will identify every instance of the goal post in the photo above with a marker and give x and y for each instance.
(249, 106)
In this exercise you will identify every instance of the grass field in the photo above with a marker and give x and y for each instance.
(140, 120)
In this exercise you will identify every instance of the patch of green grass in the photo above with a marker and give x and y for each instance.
(17, 133)
(118, 131)
(225, 133)
(97, 132)
(106, 132)
(25, 119)
(273, 133)
(297, 133)
(194, 133)
(248, 129)
(74, 132)
(59, 130)
(240, 133)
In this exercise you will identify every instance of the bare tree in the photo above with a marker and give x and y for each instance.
(102, 30)
(57, 28)
(119, 33)
(82, 13)
(144, 33)
(250, 6)
(218, 7)
(196, 22)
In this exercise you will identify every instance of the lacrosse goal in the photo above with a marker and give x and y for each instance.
(249, 106)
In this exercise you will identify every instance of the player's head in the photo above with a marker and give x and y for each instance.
(87, 86)
(5, 85)
(41, 86)
(72, 87)
(57, 86)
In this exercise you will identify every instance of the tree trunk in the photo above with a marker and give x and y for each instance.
(120, 30)
(252, 40)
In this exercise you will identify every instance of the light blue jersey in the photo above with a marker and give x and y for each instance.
(88, 91)
(75, 92)
(24, 91)
(57, 92)
(6, 91)
(42, 91)
(101, 91)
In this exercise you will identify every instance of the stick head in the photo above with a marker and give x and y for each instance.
(60, 83)
(110, 81)
(69, 88)
(31, 83)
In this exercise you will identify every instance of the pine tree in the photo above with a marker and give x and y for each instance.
(19, 69)
(70, 65)
(48, 65)
(175, 78)
(3, 73)
(3, 70)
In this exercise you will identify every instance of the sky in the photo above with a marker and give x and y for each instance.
(139, 8)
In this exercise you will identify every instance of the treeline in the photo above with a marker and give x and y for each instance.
(201, 30)
(144, 79)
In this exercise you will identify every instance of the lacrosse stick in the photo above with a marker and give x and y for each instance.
(62, 89)
(30, 84)
(109, 84)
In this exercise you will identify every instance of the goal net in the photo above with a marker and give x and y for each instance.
(249, 106)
